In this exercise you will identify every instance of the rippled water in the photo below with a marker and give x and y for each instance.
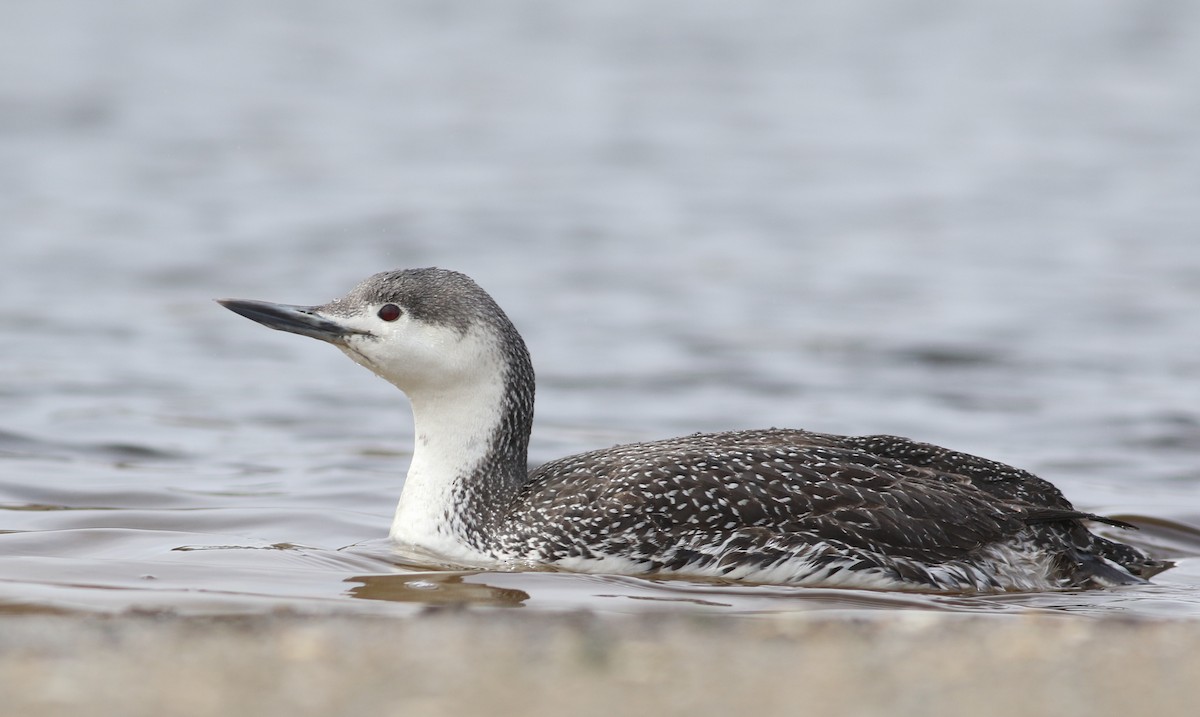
(965, 226)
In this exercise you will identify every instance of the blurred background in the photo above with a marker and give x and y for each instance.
(970, 223)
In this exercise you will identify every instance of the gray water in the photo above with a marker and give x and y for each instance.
(972, 225)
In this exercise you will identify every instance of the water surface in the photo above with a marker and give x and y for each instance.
(962, 226)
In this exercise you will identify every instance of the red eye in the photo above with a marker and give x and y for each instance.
(389, 312)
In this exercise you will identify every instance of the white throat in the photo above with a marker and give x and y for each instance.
(471, 435)
(454, 428)
(454, 432)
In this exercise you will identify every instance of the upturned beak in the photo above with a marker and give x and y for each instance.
(303, 320)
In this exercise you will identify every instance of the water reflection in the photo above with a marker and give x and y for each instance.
(561, 591)
(1165, 538)
(435, 589)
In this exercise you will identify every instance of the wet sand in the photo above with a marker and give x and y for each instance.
(453, 663)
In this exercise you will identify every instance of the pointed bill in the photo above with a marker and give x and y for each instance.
(303, 320)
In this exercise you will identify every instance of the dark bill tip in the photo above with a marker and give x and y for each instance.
(303, 320)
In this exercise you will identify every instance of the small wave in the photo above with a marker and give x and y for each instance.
(16, 445)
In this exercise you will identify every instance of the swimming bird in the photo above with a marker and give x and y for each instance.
(774, 505)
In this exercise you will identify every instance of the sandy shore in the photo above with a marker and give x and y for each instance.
(509, 663)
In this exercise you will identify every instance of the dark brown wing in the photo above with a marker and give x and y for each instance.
(815, 487)
(1046, 503)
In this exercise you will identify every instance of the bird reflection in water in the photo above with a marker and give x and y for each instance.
(435, 589)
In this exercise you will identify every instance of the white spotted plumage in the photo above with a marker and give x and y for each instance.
(768, 506)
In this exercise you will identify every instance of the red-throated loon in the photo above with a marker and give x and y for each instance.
(766, 506)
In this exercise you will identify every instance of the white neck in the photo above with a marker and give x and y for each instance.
(454, 430)
(472, 399)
